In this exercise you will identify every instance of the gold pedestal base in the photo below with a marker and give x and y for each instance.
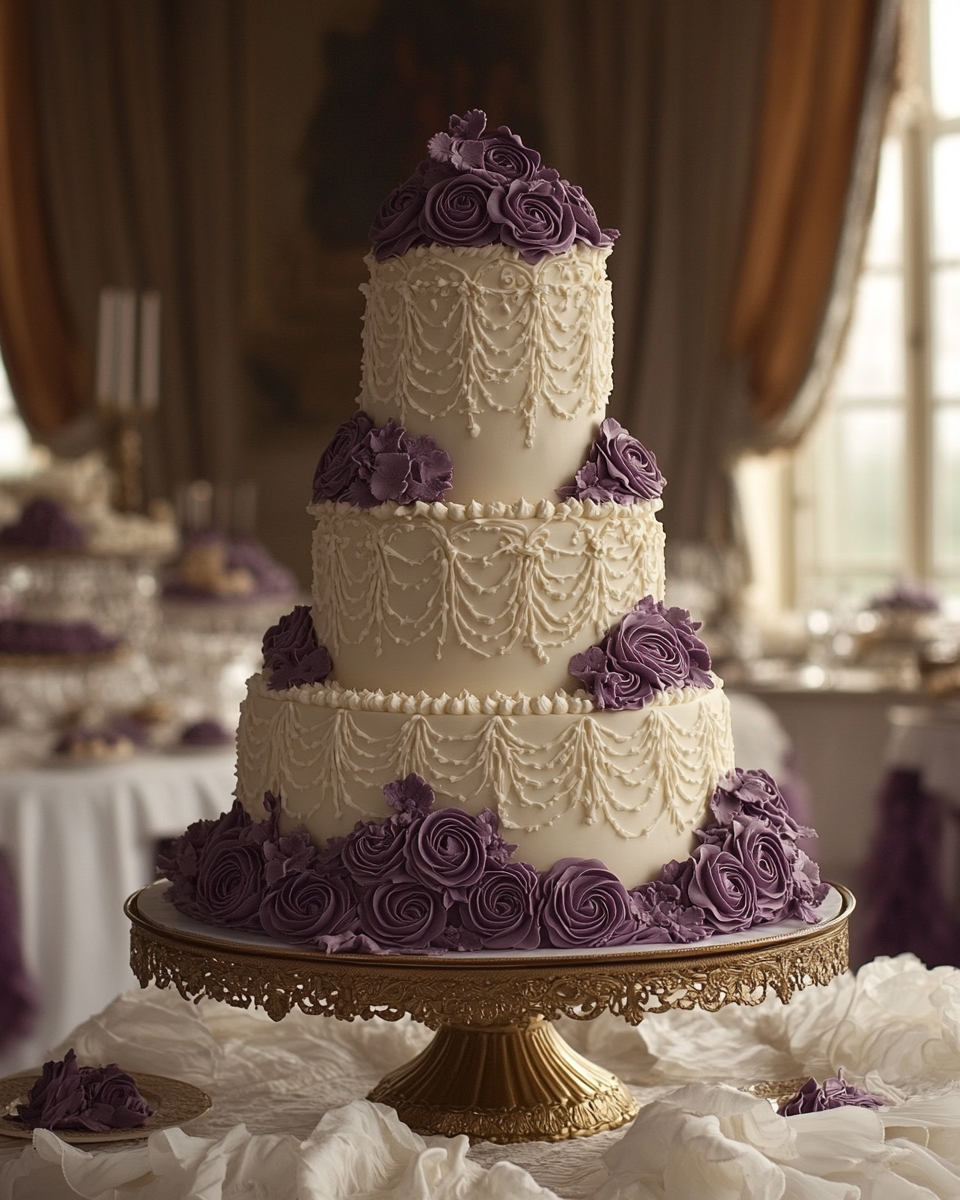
(505, 1084)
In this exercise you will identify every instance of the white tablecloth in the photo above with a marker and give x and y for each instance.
(80, 840)
(289, 1123)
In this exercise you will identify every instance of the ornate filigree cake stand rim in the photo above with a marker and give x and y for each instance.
(497, 1069)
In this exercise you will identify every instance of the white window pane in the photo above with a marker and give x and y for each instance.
(867, 504)
(944, 55)
(885, 241)
(946, 333)
(946, 488)
(872, 364)
(946, 195)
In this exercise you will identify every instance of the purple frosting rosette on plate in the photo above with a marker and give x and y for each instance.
(651, 648)
(91, 1099)
(367, 466)
(480, 186)
(834, 1092)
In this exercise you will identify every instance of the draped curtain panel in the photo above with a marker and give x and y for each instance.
(40, 350)
(140, 109)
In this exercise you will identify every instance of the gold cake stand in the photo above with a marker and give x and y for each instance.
(497, 1069)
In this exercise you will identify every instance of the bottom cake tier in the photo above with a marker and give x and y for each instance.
(628, 787)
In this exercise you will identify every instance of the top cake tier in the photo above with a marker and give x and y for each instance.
(506, 364)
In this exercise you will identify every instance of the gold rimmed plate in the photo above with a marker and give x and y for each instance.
(173, 1102)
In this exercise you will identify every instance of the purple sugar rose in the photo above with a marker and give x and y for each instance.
(754, 794)
(403, 916)
(57, 1100)
(447, 849)
(113, 1098)
(768, 859)
(723, 888)
(410, 795)
(375, 852)
(588, 228)
(341, 461)
(618, 468)
(309, 905)
(229, 884)
(399, 468)
(396, 226)
(455, 212)
(835, 1092)
(584, 904)
(697, 651)
(501, 910)
(808, 892)
(643, 653)
(292, 653)
(44, 525)
(533, 218)
(664, 915)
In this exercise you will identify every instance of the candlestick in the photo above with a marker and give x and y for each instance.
(107, 347)
(126, 336)
(149, 351)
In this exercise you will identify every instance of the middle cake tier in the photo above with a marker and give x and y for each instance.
(449, 597)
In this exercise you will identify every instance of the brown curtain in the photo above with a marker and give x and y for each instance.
(828, 75)
(140, 112)
(42, 356)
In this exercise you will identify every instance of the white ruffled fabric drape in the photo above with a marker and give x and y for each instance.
(288, 1123)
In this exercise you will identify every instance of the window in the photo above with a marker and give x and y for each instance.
(14, 439)
(874, 491)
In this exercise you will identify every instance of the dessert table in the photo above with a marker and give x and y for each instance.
(79, 839)
(289, 1120)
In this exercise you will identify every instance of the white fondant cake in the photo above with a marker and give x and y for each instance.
(451, 625)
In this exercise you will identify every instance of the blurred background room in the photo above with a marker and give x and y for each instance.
(185, 192)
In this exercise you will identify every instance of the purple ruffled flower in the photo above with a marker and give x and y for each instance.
(375, 852)
(834, 1092)
(57, 1099)
(403, 916)
(292, 653)
(754, 794)
(309, 905)
(664, 914)
(93, 1099)
(724, 888)
(340, 464)
(287, 856)
(113, 1099)
(585, 904)
(533, 217)
(618, 468)
(412, 795)
(588, 227)
(455, 212)
(44, 525)
(502, 910)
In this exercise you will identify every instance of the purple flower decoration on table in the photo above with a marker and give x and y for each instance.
(649, 649)
(292, 653)
(502, 910)
(618, 468)
(43, 525)
(584, 904)
(93, 1099)
(834, 1092)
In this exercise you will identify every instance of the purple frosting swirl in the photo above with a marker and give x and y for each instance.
(44, 525)
(403, 916)
(649, 649)
(584, 904)
(456, 212)
(834, 1092)
(375, 852)
(367, 466)
(308, 905)
(292, 653)
(94, 1099)
(767, 858)
(618, 468)
(533, 218)
(481, 186)
(723, 887)
(502, 909)
(448, 850)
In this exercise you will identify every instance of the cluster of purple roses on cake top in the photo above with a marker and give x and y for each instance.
(618, 467)
(649, 649)
(93, 1099)
(291, 652)
(428, 880)
(481, 186)
(367, 466)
